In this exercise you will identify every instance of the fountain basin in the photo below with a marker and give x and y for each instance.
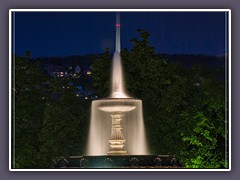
(118, 161)
(117, 123)
(117, 104)
(116, 108)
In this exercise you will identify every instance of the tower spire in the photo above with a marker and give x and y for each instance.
(118, 45)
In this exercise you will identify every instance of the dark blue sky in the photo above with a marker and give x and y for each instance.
(81, 33)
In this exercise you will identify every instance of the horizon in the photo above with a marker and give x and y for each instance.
(111, 53)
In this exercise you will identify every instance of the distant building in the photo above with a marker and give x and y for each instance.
(57, 71)
(81, 76)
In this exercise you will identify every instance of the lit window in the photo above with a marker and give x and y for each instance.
(89, 72)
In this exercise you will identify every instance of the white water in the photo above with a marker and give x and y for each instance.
(133, 128)
(133, 123)
(118, 89)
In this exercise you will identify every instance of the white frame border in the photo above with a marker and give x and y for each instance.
(119, 10)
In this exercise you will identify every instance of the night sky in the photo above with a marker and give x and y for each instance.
(81, 33)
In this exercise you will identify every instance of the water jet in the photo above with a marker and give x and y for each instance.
(117, 126)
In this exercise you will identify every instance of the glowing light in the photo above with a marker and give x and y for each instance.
(89, 72)
(118, 25)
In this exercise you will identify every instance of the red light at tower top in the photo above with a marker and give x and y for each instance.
(118, 49)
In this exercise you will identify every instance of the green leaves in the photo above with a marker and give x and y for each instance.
(101, 70)
(201, 144)
(44, 126)
(65, 126)
(184, 108)
(29, 105)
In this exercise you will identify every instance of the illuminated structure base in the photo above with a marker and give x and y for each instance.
(117, 139)
(117, 110)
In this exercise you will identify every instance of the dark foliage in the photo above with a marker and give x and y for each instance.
(184, 107)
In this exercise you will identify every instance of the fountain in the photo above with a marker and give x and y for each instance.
(117, 126)
(117, 133)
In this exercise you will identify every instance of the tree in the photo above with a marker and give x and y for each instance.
(179, 103)
(49, 120)
(203, 124)
(65, 124)
(101, 70)
(29, 101)
(158, 84)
